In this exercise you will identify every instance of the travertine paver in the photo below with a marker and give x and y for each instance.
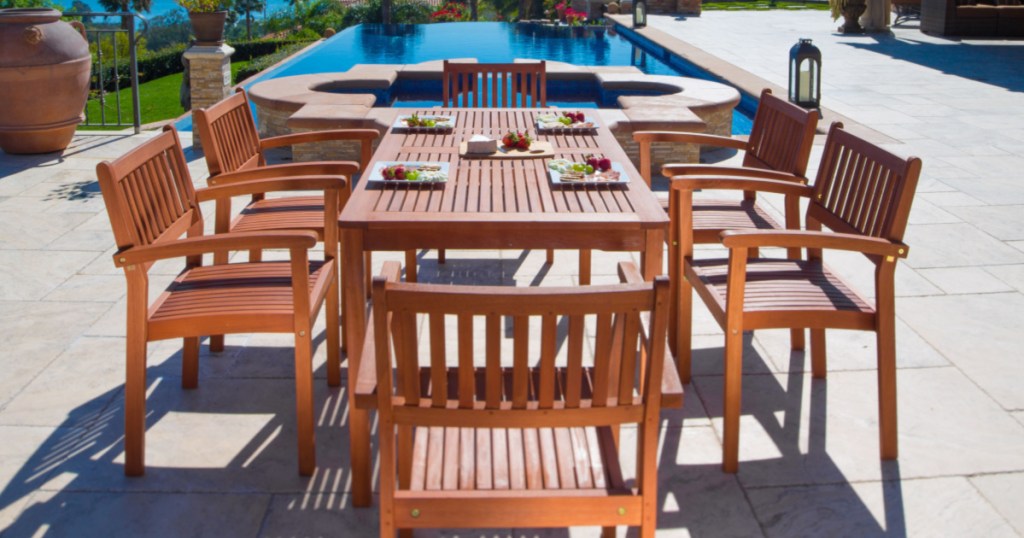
(222, 458)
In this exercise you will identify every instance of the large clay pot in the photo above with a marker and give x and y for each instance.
(44, 80)
(852, 10)
(208, 27)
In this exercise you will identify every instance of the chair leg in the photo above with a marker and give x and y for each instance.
(216, 343)
(405, 533)
(819, 359)
(190, 363)
(796, 339)
(135, 398)
(607, 532)
(586, 265)
(333, 320)
(410, 264)
(304, 414)
(441, 256)
(550, 256)
(886, 341)
(359, 456)
(684, 330)
(733, 397)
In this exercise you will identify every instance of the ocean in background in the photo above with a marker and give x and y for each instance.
(160, 7)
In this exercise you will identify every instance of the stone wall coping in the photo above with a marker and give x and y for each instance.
(198, 52)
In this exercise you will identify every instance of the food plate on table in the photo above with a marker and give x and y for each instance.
(409, 173)
(565, 172)
(424, 123)
(565, 121)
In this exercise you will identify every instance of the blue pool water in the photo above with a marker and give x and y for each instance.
(493, 42)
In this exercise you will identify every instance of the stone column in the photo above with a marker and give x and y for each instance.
(209, 77)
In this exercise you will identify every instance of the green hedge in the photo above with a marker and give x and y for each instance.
(168, 61)
(266, 61)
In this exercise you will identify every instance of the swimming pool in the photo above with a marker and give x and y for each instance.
(492, 42)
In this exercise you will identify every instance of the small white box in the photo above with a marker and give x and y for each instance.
(481, 144)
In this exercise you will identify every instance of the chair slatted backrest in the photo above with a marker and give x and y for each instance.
(509, 85)
(229, 136)
(545, 379)
(781, 137)
(148, 193)
(862, 188)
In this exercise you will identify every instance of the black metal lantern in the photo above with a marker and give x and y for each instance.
(805, 75)
(639, 13)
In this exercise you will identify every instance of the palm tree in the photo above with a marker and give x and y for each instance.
(247, 7)
(119, 6)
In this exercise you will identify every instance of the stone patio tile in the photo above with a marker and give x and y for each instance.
(1004, 189)
(1004, 492)
(1010, 274)
(91, 288)
(74, 389)
(847, 350)
(226, 436)
(948, 199)
(708, 358)
(1019, 245)
(34, 334)
(961, 280)
(799, 431)
(1019, 415)
(33, 231)
(1005, 222)
(925, 212)
(956, 245)
(31, 274)
(92, 240)
(980, 334)
(110, 515)
(930, 507)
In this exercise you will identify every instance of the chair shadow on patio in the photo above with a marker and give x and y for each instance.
(221, 450)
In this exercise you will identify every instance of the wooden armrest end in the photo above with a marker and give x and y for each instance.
(671, 386)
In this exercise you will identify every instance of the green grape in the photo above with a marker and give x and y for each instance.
(590, 169)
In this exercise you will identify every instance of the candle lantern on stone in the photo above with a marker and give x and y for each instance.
(639, 13)
(805, 75)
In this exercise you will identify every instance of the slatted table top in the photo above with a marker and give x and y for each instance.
(495, 192)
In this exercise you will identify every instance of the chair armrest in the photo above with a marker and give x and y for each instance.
(193, 246)
(629, 274)
(671, 385)
(813, 239)
(364, 135)
(318, 168)
(366, 380)
(740, 184)
(298, 183)
(690, 138)
(670, 170)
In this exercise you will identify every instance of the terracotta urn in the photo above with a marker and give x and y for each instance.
(208, 27)
(44, 80)
(852, 10)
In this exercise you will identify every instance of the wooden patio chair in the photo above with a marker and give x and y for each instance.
(863, 194)
(480, 444)
(151, 203)
(507, 85)
(779, 147)
(231, 143)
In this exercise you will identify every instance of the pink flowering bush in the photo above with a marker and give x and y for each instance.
(451, 12)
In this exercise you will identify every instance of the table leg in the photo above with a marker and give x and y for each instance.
(355, 325)
(650, 258)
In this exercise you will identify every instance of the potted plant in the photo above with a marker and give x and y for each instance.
(850, 10)
(207, 18)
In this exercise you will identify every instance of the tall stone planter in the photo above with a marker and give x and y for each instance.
(208, 27)
(44, 80)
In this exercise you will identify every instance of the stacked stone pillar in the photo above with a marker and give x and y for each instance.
(209, 77)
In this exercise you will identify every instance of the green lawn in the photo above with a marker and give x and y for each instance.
(158, 100)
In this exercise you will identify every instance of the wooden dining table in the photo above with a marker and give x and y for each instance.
(486, 203)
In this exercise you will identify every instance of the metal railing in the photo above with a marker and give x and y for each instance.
(97, 36)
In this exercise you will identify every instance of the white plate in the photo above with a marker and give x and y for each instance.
(554, 126)
(447, 123)
(376, 175)
(556, 178)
